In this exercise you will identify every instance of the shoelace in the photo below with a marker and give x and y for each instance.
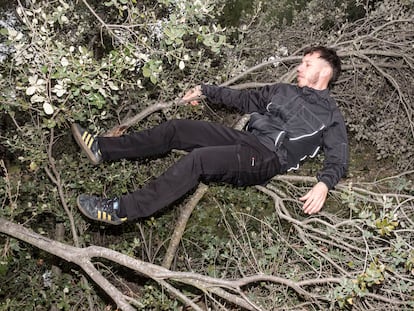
(107, 205)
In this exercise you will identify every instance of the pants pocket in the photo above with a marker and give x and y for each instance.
(256, 167)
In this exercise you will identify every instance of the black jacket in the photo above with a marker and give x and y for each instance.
(294, 122)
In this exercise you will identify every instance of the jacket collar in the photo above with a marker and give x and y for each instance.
(321, 93)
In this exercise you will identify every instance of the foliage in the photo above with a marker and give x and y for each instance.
(99, 62)
(25, 265)
(63, 80)
(52, 79)
(245, 240)
(66, 66)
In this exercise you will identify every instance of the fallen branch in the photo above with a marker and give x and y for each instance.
(227, 289)
(181, 224)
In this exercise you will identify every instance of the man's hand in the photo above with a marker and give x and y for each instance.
(315, 198)
(194, 93)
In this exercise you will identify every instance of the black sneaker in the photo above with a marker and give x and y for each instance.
(88, 143)
(100, 209)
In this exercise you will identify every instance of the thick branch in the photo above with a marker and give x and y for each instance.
(181, 225)
(83, 258)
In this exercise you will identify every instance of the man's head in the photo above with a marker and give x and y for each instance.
(320, 67)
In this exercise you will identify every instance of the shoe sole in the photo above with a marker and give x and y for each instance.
(93, 218)
(78, 137)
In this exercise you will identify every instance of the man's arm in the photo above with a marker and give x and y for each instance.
(246, 101)
(335, 146)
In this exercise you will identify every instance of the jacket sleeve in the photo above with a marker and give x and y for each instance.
(335, 147)
(246, 101)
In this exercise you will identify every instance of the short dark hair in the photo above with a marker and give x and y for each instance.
(328, 55)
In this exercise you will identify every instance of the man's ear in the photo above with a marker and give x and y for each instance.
(326, 72)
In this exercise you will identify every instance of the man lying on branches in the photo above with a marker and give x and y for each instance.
(288, 123)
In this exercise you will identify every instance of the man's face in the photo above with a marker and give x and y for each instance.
(311, 72)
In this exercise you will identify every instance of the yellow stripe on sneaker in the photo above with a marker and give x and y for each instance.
(106, 217)
(90, 143)
(88, 139)
(103, 216)
(84, 135)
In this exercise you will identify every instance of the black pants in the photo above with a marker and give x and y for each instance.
(216, 154)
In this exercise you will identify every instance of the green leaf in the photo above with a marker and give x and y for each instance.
(97, 100)
(146, 72)
(154, 79)
(4, 31)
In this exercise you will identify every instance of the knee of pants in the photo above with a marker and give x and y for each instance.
(174, 123)
(194, 161)
(176, 129)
